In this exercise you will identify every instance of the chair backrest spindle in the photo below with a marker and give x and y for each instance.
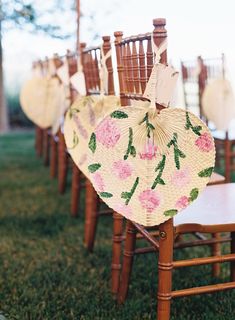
(134, 65)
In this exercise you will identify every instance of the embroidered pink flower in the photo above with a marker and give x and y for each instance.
(80, 127)
(182, 202)
(122, 169)
(98, 182)
(149, 200)
(108, 133)
(149, 151)
(181, 177)
(123, 209)
(204, 142)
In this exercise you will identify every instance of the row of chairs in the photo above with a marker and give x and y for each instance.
(196, 74)
(212, 214)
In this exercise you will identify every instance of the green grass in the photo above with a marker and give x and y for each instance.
(45, 272)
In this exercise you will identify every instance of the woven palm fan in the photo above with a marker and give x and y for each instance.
(149, 166)
(80, 121)
(62, 108)
(218, 103)
(40, 98)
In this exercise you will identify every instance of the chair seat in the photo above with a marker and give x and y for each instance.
(216, 178)
(213, 211)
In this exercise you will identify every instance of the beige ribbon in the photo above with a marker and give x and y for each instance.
(104, 71)
(79, 64)
(157, 51)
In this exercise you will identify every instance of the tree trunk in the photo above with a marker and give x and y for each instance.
(4, 121)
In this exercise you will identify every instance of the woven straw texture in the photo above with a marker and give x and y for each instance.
(148, 166)
(62, 108)
(218, 103)
(40, 99)
(80, 121)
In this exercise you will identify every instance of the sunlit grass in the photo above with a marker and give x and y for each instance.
(45, 273)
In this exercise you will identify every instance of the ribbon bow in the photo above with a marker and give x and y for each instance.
(151, 85)
(104, 71)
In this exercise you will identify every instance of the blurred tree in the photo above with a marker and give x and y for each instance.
(32, 16)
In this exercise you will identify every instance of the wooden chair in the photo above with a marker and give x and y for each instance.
(38, 141)
(90, 58)
(166, 232)
(44, 132)
(45, 136)
(63, 156)
(224, 141)
(38, 130)
(190, 75)
(195, 76)
(54, 138)
(194, 219)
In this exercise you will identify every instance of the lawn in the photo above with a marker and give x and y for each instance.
(45, 272)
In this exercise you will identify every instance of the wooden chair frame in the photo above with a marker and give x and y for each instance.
(90, 62)
(63, 156)
(166, 232)
(209, 69)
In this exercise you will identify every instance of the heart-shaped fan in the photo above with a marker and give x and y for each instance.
(218, 103)
(40, 99)
(149, 166)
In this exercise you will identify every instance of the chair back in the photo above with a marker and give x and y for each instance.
(195, 76)
(210, 69)
(91, 67)
(135, 61)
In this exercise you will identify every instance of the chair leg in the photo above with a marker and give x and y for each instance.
(232, 263)
(62, 164)
(216, 251)
(39, 141)
(116, 250)
(128, 255)
(227, 160)
(75, 192)
(165, 267)
(91, 216)
(53, 157)
(45, 147)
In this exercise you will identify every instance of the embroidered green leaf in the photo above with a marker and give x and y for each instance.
(92, 143)
(130, 148)
(160, 167)
(75, 140)
(144, 119)
(188, 125)
(86, 100)
(125, 195)
(149, 125)
(177, 152)
(133, 151)
(206, 172)
(94, 167)
(170, 213)
(128, 195)
(119, 114)
(194, 194)
(105, 194)
(161, 164)
(160, 181)
(73, 111)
